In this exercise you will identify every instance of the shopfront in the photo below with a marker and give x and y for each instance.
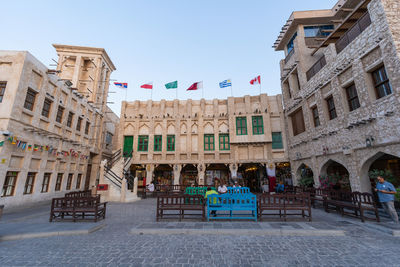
(217, 172)
(189, 175)
(251, 175)
(163, 174)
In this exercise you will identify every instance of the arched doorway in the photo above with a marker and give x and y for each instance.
(251, 175)
(163, 175)
(382, 164)
(189, 175)
(335, 176)
(305, 176)
(217, 171)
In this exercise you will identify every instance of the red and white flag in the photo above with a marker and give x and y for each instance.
(147, 86)
(256, 80)
(195, 86)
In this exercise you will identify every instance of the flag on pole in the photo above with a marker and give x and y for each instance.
(195, 86)
(121, 85)
(172, 85)
(225, 83)
(147, 85)
(256, 80)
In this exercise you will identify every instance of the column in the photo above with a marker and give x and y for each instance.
(149, 173)
(233, 168)
(201, 169)
(177, 173)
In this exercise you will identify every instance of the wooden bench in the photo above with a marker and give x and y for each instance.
(317, 195)
(270, 202)
(179, 203)
(284, 203)
(232, 203)
(352, 203)
(78, 208)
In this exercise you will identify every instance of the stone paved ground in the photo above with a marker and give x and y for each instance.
(363, 245)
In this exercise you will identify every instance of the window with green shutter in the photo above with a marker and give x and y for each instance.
(170, 142)
(128, 146)
(241, 126)
(157, 142)
(208, 142)
(143, 143)
(224, 142)
(258, 125)
(277, 140)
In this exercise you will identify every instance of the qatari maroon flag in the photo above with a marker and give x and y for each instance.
(195, 86)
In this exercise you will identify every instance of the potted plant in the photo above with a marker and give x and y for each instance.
(306, 181)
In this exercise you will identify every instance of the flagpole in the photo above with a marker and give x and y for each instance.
(151, 94)
(126, 93)
(202, 90)
(231, 88)
(176, 89)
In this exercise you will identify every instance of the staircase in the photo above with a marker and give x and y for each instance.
(114, 171)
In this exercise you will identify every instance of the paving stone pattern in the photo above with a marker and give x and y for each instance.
(114, 245)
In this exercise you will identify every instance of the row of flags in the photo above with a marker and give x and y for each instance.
(14, 140)
(194, 86)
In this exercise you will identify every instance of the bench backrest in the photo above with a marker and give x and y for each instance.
(271, 199)
(74, 202)
(85, 193)
(240, 200)
(238, 190)
(364, 198)
(302, 200)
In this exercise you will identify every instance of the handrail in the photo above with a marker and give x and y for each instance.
(115, 157)
(117, 185)
(113, 174)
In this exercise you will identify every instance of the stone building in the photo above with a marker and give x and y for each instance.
(196, 141)
(55, 124)
(341, 85)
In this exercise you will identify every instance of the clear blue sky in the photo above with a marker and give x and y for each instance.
(162, 40)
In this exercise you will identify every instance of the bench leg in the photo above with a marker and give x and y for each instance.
(361, 215)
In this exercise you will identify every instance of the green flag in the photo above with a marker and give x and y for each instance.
(172, 85)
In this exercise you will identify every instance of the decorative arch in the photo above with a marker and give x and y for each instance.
(335, 172)
(171, 128)
(194, 128)
(158, 129)
(183, 128)
(129, 129)
(223, 127)
(144, 129)
(208, 128)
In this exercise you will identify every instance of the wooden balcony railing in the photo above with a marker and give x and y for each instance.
(316, 67)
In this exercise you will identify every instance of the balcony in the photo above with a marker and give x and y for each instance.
(353, 32)
(316, 67)
(289, 56)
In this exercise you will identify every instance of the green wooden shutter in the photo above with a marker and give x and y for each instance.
(128, 145)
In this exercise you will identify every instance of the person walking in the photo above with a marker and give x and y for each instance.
(386, 192)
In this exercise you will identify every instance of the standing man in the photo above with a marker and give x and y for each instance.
(386, 192)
